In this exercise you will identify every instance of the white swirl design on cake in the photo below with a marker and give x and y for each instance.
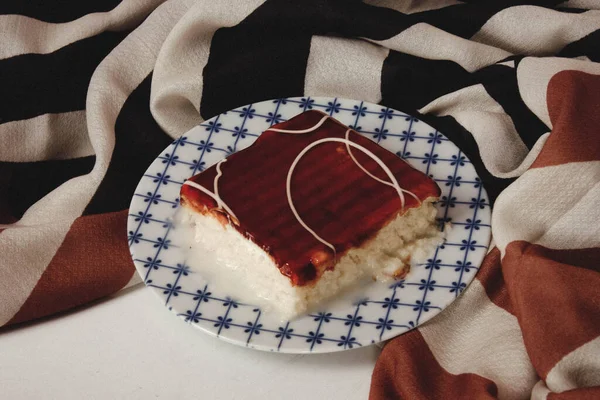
(307, 130)
(288, 183)
(393, 182)
(373, 176)
(215, 196)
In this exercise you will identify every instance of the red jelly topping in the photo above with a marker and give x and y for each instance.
(333, 196)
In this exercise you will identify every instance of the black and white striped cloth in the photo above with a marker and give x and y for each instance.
(93, 91)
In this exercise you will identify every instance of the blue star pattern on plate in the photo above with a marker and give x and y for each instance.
(384, 310)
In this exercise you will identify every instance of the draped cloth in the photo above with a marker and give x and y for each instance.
(94, 91)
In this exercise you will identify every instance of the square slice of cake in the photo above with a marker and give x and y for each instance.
(309, 209)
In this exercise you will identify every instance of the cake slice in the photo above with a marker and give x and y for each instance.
(309, 209)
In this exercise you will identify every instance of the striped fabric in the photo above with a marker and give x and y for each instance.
(93, 91)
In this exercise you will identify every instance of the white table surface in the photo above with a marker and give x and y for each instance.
(131, 347)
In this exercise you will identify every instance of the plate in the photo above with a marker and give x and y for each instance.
(383, 310)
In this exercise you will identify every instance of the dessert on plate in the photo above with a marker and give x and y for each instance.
(311, 208)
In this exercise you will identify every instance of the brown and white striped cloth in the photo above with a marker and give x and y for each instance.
(93, 91)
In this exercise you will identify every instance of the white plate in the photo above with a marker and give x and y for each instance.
(385, 310)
